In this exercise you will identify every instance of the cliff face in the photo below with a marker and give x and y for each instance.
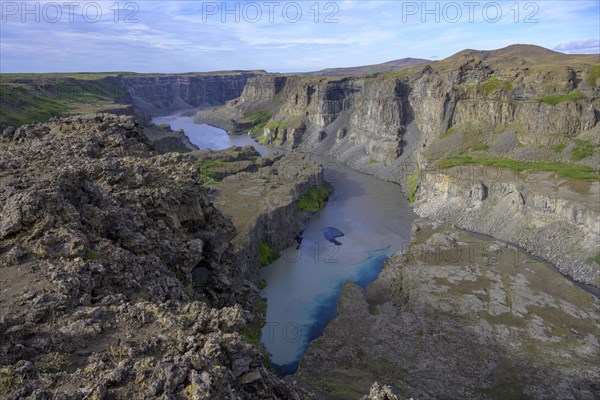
(378, 116)
(166, 93)
(459, 316)
(474, 108)
(549, 218)
(369, 113)
(120, 278)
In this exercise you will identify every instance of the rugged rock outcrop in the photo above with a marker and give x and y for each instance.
(165, 140)
(460, 316)
(118, 276)
(553, 219)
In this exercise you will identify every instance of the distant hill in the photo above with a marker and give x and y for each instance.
(521, 54)
(394, 65)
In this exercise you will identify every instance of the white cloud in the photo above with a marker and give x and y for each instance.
(588, 46)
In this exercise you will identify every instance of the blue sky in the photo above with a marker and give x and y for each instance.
(278, 36)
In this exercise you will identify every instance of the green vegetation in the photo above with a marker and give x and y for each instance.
(595, 259)
(313, 200)
(493, 84)
(571, 171)
(259, 119)
(145, 296)
(91, 255)
(51, 363)
(450, 131)
(371, 161)
(211, 171)
(264, 140)
(7, 379)
(582, 149)
(252, 332)
(262, 284)
(178, 149)
(37, 100)
(594, 75)
(276, 124)
(557, 99)
(481, 147)
(411, 184)
(559, 147)
(266, 254)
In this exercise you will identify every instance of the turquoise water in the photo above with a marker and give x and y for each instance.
(303, 285)
(307, 312)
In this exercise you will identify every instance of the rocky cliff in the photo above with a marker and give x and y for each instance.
(523, 108)
(119, 277)
(551, 218)
(460, 316)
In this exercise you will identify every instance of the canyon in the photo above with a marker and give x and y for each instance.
(149, 259)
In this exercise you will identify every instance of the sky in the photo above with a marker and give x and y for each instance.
(277, 36)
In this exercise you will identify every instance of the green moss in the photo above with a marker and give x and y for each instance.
(262, 283)
(373, 310)
(37, 99)
(264, 140)
(211, 171)
(252, 332)
(594, 74)
(179, 149)
(276, 124)
(493, 84)
(51, 363)
(91, 255)
(557, 99)
(7, 379)
(595, 259)
(411, 184)
(481, 147)
(559, 147)
(145, 296)
(571, 171)
(582, 149)
(259, 119)
(371, 161)
(313, 200)
(266, 254)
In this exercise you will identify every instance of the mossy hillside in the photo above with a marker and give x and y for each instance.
(411, 184)
(211, 171)
(313, 200)
(557, 99)
(28, 101)
(493, 84)
(564, 170)
(583, 149)
(259, 119)
(593, 75)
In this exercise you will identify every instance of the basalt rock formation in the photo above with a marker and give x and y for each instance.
(119, 277)
(523, 109)
(159, 95)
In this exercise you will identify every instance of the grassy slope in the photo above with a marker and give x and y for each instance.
(25, 99)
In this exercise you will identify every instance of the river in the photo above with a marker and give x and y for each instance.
(303, 284)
